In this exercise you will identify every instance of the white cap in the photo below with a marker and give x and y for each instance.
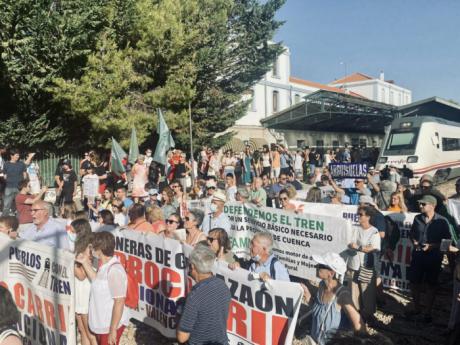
(332, 260)
(219, 195)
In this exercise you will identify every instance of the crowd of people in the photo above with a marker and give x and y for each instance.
(184, 200)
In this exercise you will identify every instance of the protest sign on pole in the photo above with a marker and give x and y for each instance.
(41, 281)
(348, 170)
(296, 237)
(90, 186)
(158, 266)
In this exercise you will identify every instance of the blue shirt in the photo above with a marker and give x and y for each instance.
(281, 272)
(127, 202)
(206, 312)
(210, 222)
(52, 233)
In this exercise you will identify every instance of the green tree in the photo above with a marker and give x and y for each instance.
(80, 71)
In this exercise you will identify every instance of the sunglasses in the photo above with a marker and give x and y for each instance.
(187, 219)
(422, 204)
(211, 239)
(171, 221)
(284, 199)
(211, 187)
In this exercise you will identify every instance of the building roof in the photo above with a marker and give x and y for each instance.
(433, 106)
(352, 78)
(333, 111)
(322, 86)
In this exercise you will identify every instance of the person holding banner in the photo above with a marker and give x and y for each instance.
(108, 315)
(219, 242)
(263, 262)
(332, 300)
(204, 320)
(192, 224)
(366, 243)
(9, 319)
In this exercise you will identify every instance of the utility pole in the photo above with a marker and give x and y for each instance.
(192, 160)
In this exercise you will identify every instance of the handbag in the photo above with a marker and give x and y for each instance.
(366, 270)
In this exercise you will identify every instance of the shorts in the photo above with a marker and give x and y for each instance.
(276, 172)
(425, 267)
(103, 339)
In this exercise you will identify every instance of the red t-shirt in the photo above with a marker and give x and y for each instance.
(24, 214)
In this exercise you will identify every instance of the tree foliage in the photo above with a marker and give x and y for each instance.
(76, 72)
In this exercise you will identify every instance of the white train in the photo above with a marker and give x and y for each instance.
(423, 144)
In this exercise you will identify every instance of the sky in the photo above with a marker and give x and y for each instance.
(415, 42)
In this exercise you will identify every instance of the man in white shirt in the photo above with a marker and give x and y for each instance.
(148, 157)
(216, 218)
(46, 230)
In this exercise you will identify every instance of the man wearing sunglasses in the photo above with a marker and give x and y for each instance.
(426, 234)
(351, 195)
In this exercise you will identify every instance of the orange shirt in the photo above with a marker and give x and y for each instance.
(276, 159)
(140, 225)
(394, 209)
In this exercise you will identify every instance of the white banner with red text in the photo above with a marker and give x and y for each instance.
(158, 266)
(260, 313)
(41, 281)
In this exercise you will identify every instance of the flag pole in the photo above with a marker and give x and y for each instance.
(191, 142)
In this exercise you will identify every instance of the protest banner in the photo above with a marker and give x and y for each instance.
(41, 281)
(296, 236)
(259, 313)
(158, 266)
(394, 273)
(348, 170)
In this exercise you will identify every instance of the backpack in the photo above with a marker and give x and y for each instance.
(392, 232)
(132, 291)
(246, 264)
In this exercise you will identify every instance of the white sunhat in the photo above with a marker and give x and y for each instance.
(332, 260)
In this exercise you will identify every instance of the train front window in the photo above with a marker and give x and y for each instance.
(402, 140)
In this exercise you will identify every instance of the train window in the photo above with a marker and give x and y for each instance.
(450, 144)
(402, 141)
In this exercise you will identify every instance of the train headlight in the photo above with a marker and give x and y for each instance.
(412, 159)
(383, 160)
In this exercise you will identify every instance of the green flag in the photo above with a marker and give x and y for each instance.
(133, 147)
(165, 140)
(116, 157)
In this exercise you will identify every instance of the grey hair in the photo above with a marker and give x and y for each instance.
(203, 259)
(266, 238)
(198, 214)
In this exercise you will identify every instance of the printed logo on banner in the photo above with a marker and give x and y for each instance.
(40, 285)
(348, 170)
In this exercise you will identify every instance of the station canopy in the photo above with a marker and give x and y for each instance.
(334, 112)
(340, 112)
